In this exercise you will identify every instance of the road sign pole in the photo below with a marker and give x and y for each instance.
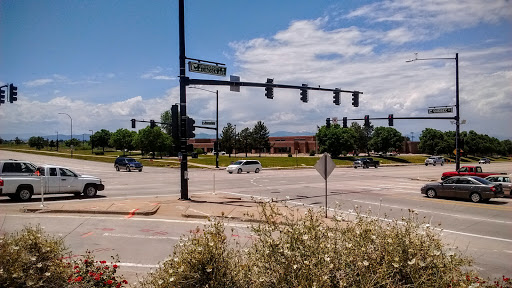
(325, 171)
(183, 104)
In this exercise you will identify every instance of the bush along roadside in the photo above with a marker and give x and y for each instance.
(294, 249)
(33, 258)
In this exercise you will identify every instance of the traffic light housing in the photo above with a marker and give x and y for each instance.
(13, 93)
(328, 122)
(175, 123)
(336, 97)
(269, 91)
(344, 122)
(191, 128)
(152, 124)
(304, 94)
(133, 123)
(2, 96)
(355, 99)
(390, 119)
(367, 120)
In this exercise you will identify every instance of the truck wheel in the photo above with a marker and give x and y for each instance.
(24, 193)
(475, 197)
(128, 168)
(90, 190)
(117, 168)
(376, 166)
(431, 193)
(442, 163)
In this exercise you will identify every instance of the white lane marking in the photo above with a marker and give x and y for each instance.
(140, 236)
(138, 265)
(440, 213)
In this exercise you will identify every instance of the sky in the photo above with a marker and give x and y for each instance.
(106, 62)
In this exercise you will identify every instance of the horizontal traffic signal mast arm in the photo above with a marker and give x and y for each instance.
(190, 81)
(386, 118)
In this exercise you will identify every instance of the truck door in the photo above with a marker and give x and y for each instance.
(68, 181)
(53, 181)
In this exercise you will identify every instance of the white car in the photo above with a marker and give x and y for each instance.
(244, 166)
(504, 180)
(434, 160)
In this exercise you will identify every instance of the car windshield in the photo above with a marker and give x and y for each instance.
(130, 160)
(483, 181)
(238, 163)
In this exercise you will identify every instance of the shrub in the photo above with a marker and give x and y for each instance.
(312, 153)
(293, 248)
(88, 272)
(290, 155)
(31, 258)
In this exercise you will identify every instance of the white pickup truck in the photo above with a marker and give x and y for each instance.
(51, 180)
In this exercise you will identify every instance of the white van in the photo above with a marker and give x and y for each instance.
(245, 166)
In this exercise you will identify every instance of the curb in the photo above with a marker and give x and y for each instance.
(150, 212)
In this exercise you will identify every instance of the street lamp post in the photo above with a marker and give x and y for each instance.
(457, 111)
(92, 144)
(57, 140)
(216, 124)
(71, 141)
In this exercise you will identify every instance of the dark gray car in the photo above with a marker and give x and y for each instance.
(127, 164)
(467, 187)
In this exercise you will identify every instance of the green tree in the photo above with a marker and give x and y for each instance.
(101, 138)
(363, 137)
(17, 141)
(37, 142)
(245, 140)
(152, 140)
(260, 137)
(123, 140)
(507, 147)
(166, 117)
(72, 142)
(227, 138)
(336, 140)
(51, 144)
(432, 141)
(386, 139)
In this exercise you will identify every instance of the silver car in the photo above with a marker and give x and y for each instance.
(468, 187)
(433, 160)
(244, 166)
(504, 180)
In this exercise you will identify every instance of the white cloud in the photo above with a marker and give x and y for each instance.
(156, 74)
(38, 82)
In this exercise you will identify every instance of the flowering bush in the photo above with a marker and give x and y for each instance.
(88, 272)
(290, 248)
(31, 258)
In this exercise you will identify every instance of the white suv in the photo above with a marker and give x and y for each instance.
(434, 160)
(245, 166)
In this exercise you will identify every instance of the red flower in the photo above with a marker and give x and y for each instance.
(75, 267)
(106, 267)
(97, 278)
(103, 262)
(125, 282)
(109, 282)
(118, 285)
(505, 278)
(115, 266)
(78, 279)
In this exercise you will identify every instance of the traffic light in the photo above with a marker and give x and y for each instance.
(390, 119)
(191, 128)
(13, 93)
(355, 99)
(336, 97)
(344, 122)
(152, 124)
(367, 120)
(304, 94)
(328, 122)
(269, 91)
(175, 123)
(2, 96)
(133, 123)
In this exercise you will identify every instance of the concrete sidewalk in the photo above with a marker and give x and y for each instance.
(201, 206)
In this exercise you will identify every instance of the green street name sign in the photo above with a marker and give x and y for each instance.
(197, 67)
(440, 110)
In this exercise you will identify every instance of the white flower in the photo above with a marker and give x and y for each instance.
(208, 269)
(47, 273)
(305, 237)
(172, 279)
(294, 266)
(396, 265)
(348, 245)
(412, 261)
(39, 265)
(437, 252)
(365, 263)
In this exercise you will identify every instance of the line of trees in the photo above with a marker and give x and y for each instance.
(246, 140)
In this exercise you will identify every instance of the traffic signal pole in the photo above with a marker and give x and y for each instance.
(183, 105)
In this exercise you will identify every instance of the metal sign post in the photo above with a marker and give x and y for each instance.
(325, 166)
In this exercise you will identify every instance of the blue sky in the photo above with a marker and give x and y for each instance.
(106, 62)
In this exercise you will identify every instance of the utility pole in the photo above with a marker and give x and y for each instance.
(183, 105)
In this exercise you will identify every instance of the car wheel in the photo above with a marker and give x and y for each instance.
(442, 163)
(117, 168)
(355, 167)
(434, 164)
(90, 190)
(128, 169)
(426, 164)
(431, 193)
(475, 197)
(257, 170)
(24, 193)
(140, 170)
(239, 171)
(230, 172)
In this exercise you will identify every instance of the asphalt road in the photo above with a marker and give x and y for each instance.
(482, 230)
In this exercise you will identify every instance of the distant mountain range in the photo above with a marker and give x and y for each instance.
(85, 137)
